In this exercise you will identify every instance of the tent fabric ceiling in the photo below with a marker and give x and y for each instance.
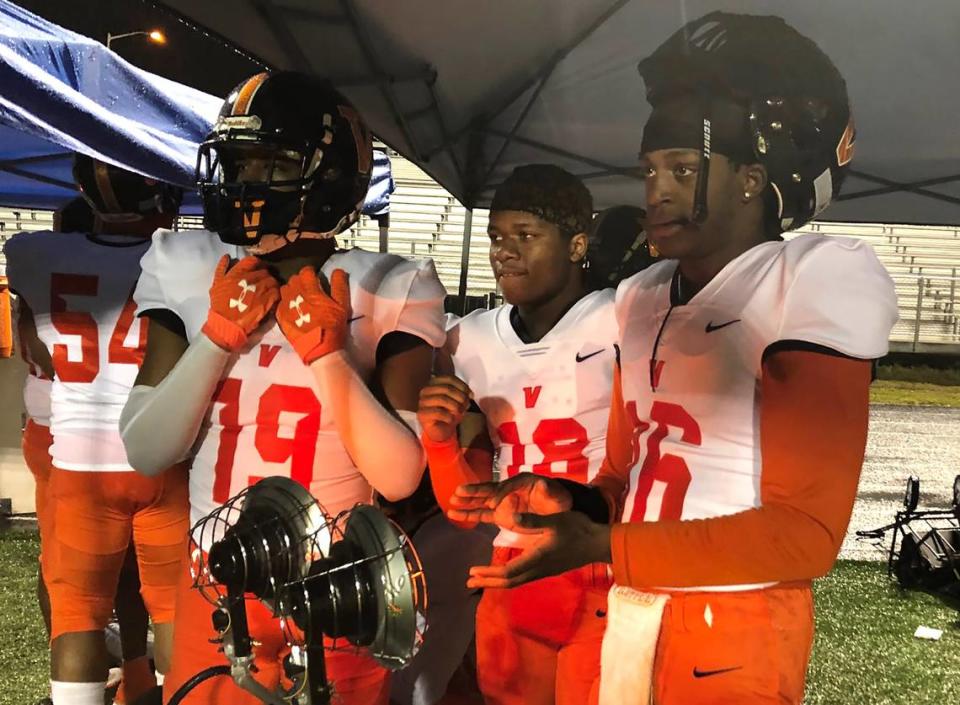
(66, 93)
(469, 90)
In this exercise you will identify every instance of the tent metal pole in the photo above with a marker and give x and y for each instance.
(516, 126)
(618, 170)
(38, 177)
(427, 74)
(583, 177)
(557, 57)
(443, 129)
(303, 13)
(273, 19)
(20, 161)
(894, 186)
(465, 260)
(366, 46)
(383, 223)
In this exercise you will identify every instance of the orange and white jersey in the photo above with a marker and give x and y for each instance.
(79, 288)
(36, 386)
(36, 397)
(268, 415)
(691, 373)
(546, 403)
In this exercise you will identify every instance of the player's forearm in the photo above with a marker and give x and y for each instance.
(452, 466)
(766, 545)
(384, 449)
(611, 480)
(813, 430)
(159, 425)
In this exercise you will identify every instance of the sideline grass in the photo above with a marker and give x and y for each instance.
(23, 644)
(921, 373)
(864, 654)
(914, 394)
(865, 651)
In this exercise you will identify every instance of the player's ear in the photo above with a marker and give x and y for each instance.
(578, 247)
(754, 180)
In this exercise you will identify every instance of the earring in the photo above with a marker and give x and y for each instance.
(747, 196)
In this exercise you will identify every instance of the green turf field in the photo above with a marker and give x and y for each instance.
(916, 386)
(865, 652)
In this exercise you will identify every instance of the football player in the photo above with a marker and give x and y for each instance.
(618, 246)
(303, 359)
(540, 369)
(740, 404)
(77, 320)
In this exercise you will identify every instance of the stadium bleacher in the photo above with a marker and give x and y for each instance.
(426, 221)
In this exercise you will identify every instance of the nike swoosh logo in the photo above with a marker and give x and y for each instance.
(356, 318)
(710, 327)
(697, 673)
(587, 357)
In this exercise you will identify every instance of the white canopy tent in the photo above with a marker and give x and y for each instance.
(468, 89)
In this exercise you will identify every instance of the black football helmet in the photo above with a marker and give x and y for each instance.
(796, 116)
(118, 195)
(618, 246)
(288, 157)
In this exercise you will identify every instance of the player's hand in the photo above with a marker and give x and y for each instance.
(560, 542)
(315, 323)
(240, 297)
(443, 402)
(498, 502)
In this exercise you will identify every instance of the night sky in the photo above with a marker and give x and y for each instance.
(178, 59)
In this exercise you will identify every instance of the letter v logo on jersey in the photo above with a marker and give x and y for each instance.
(267, 353)
(530, 396)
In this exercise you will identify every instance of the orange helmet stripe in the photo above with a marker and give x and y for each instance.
(101, 173)
(845, 147)
(242, 104)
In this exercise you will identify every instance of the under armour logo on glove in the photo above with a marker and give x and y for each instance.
(301, 316)
(245, 289)
(232, 316)
(313, 321)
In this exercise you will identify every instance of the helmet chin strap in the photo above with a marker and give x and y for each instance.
(700, 212)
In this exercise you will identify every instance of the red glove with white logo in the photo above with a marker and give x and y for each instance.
(240, 297)
(314, 322)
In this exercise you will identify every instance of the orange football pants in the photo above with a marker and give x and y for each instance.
(356, 678)
(721, 648)
(539, 644)
(92, 517)
(36, 444)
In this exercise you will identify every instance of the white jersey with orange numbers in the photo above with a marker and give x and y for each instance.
(79, 288)
(546, 403)
(691, 373)
(36, 397)
(36, 386)
(269, 416)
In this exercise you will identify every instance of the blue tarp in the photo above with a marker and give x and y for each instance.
(62, 92)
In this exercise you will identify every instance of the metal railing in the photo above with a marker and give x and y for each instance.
(427, 222)
(928, 307)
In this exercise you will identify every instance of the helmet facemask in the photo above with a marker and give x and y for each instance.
(289, 158)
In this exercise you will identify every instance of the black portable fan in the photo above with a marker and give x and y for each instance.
(353, 581)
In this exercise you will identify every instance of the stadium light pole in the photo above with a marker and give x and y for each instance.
(154, 35)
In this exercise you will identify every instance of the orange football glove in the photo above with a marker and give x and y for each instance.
(315, 323)
(240, 297)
